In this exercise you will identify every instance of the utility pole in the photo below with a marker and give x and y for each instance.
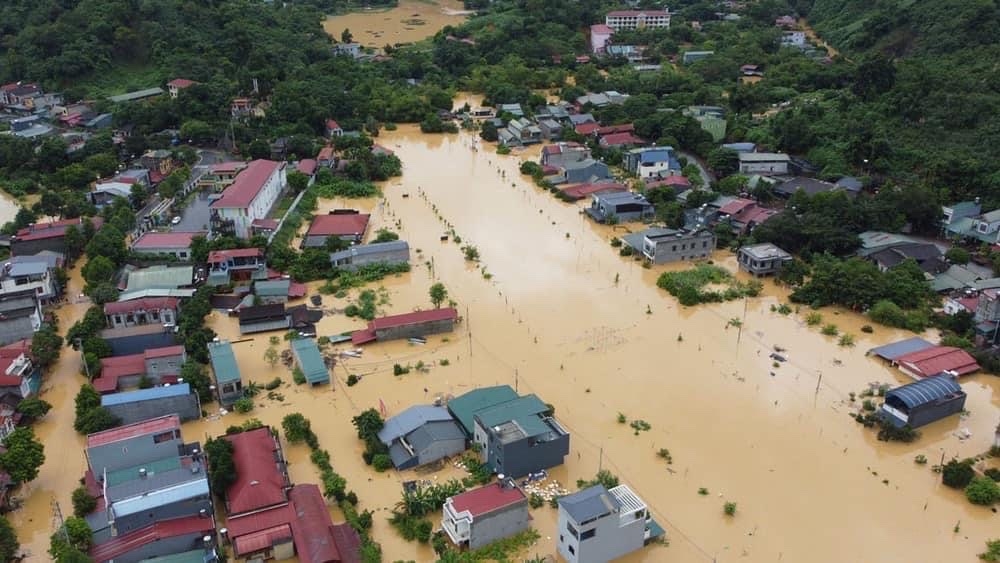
(83, 356)
(60, 522)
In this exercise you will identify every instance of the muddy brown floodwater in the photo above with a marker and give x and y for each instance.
(408, 22)
(562, 315)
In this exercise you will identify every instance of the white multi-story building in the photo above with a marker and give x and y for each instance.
(249, 197)
(635, 19)
(597, 524)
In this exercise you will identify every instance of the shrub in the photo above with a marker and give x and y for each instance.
(958, 474)
(297, 376)
(868, 405)
(703, 491)
(992, 552)
(921, 459)
(83, 503)
(867, 329)
(536, 501)
(622, 419)
(729, 508)
(352, 380)
(846, 340)
(444, 362)
(993, 473)
(273, 384)
(830, 330)
(398, 369)
(471, 253)
(381, 462)
(243, 405)
(983, 491)
(297, 427)
(814, 318)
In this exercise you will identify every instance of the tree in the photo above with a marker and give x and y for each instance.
(271, 356)
(346, 37)
(9, 546)
(45, 346)
(368, 424)
(98, 269)
(385, 235)
(74, 241)
(957, 255)
(196, 131)
(83, 502)
(24, 455)
(33, 408)
(80, 535)
(96, 420)
(297, 427)
(958, 474)
(724, 161)
(438, 294)
(297, 181)
(793, 273)
(983, 491)
(222, 469)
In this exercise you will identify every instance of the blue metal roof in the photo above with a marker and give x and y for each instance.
(903, 347)
(178, 390)
(310, 361)
(161, 497)
(411, 419)
(925, 391)
(589, 504)
(223, 362)
(655, 155)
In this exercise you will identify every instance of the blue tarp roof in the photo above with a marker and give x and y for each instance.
(411, 419)
(178, 390)
(903, 347)
(925, 391)
(310, 361)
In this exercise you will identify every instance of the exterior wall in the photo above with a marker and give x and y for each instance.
(609, 541)
(488, 528)
(319, 241)
(440, 449)
(624, 213)
(126, 345)
(926, 414)
(190, 507)
(167, 365)
(132, 452)
(775, 167)
(634, 22)
(142, 317)
(42, 285)
(30, 247)
(388, 257)
(169, 546)
(258, 208)
(229, 392)
(415, 330)
(12, 330)
(681, 248)
(187, 407)
(759, 267)
(517, 459)
(180, 253)
(598, 41)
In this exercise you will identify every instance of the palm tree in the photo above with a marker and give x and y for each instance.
(251, 390)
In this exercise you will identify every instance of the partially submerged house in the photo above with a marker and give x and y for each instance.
(464, 407)
(577, 192)
(228, 382)
(936, 360)
(891, 352)
(173, 244)
(136, 312)
(762, 259)
(482, 516)
(350, 227)
(264, 318)
(143, 404)
(519, 437)
(391, 253)
(37, 237)
(160, 366)
(928, 257)
(420, 435)
(660, 245)
(236, 266)
(417, 324)
(310, 361)
(923, 402)
(597, 525)
(619, 207)
(20, 316)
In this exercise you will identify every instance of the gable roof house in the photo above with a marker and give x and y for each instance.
(935, 360)
(764, 163)
(175, 244)
(984, 227)
(20, 316)
(310, 361)
(624, 207)
(263, 318)
(482, 516)
(417, 324)
(559, 154)
(618, 140)
(225, 370)
(651, 162)
(810, 186)
(161, 366)
(18, 373)
(743, 215)
(141, 404)
(47, 236)
(237, 265)
(464, 407)
(250, 197)
(928, 256)
(420, 435)
(391, 253)
(519, 437)
(176, 85)
(577, 192)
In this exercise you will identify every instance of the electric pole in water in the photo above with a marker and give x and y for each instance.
(60, 523)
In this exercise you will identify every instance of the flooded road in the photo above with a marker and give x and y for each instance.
(408, 22)
(9, 206)
(552, 309)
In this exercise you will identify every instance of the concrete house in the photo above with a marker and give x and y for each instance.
(137, 312)
(251, 196)
(264, 318)
(175, 86)
(161, 366)
(20, 316)
(764, 163)
(635, 19)
(482, 516)
(660, 246)
(34, 276)
(519, 437)
(619, 207)
(174, 244)
(651, 162)
(236, 266)
(464, 407)
(310, 361)
(588, 170)
(392, 253)
(762, 259)
(143, 404)
(47, 236)
(333, 129)
(228, 383)
(350, 227)
(420, 435)
(957, 218)
(597, 525)
(923, 402)
(550, 128)
(147, 476)
(523, 131)
(561, 154)
(743, 215)
(19, 376)
(600, 35)
(417, 324)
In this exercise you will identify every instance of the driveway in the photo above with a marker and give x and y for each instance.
(195, 217)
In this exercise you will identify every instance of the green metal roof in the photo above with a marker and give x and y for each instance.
(276, 288)
(523, 410)
(310, 361)
(160, 277)
(223, 362)
(464, 406)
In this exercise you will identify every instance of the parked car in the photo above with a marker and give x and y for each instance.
(175, 220)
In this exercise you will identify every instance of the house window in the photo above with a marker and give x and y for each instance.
(129, 318)
(572, 530)
(572, 551)
(562, 538)
(163, 437)
(588, 534)
(704, 244)
(673, 248)
(155, 315)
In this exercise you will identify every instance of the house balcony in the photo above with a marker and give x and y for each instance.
(459, 529)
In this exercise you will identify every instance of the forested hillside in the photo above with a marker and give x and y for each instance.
(926, 93)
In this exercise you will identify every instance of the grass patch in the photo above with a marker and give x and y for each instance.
(691, 287)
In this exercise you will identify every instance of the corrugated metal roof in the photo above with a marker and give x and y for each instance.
(589, 503)
(164, 529)
(939, 359)
(160, 277)
(275, 288)
(161, 497)
(249, 182)
(259, 483)
(369, 249)
(223, 362)
(464, 406)
(925, 391)
(411, 419)
(193, 556)
(903, 347)
(150, 394)
(413, 318)
(523, 410)
(151, 426)
(310, 361)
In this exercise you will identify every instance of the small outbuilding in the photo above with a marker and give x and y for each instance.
(923, 402)
(310, 361)
(392, 253)
(420, 435)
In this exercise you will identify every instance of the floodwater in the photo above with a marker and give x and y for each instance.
(408, 22)
(552, 309)
(9, 206)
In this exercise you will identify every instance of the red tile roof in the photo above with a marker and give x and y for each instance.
(165, 240)
(581, 191)
(306, 166)
(735, 206)
(249, 523)
(623, 128)
(325, 153)
(620, 139)
(560, 148)
(601, 28)
(53, 229)
(755, 214)
(248, 184)
(162, 530)
(259, 483)
(296, 289)
(143, 304)
(413, 318)
(223, 255)
(673, 180)
(231, 166)
(363, 336)
(587, 128)
(339, 225)
(150, 426)
(181, 82)
(932, 361)
(486, 499)
(134, 364)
